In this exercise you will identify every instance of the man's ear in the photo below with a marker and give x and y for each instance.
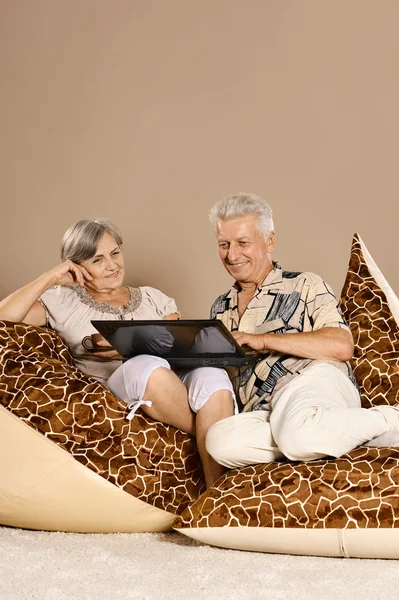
(271, 242)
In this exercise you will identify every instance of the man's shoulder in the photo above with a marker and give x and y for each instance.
(221, 304)
(305, 276)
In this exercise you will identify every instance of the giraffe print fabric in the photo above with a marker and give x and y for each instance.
(375, 332)
(358, 490)
(156, 463)
(160, 465)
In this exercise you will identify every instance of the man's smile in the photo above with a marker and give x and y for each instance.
(237, 265)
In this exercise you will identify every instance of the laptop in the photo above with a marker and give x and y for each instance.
(184, 343)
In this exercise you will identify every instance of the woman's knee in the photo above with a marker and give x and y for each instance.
(130, 380)
(144, 362)
(202, 383)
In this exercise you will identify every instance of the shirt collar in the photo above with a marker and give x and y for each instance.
(274, 280)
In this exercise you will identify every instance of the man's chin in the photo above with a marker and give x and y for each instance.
(238, 274)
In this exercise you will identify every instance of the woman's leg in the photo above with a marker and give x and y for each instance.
(146, 381)
(211, 397)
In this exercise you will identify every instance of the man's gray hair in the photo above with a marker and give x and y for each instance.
(81, 240)
(240, 205)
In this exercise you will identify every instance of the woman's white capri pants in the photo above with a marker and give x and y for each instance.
(130, 380)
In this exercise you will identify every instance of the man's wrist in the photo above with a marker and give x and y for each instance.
(264, 337)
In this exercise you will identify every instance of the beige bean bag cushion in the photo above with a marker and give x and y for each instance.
(69, 459)
(339, 507)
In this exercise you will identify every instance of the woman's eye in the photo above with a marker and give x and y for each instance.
(116, 252)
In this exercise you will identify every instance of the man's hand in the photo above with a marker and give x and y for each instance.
(252, 340)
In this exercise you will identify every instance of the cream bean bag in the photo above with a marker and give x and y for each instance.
(69, 459)
(339, 507)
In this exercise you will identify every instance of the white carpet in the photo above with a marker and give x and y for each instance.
(58, 566)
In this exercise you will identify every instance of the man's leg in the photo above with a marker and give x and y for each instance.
(319, 414)
(243, 440)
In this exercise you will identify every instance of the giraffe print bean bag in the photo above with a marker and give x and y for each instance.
(69, 459)
(338, 507)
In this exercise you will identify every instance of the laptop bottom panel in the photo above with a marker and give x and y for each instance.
(195, 362)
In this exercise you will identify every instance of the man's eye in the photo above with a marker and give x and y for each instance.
(116, 252)
(222, 245)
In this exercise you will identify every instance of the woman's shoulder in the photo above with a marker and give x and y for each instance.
(152, 293)
(60, 302)
(165, 305)
(147, 290)
(59, 293)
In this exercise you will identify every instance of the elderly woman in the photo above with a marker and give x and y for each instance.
(89, 285)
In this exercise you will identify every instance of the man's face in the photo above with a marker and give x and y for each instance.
(244, 251)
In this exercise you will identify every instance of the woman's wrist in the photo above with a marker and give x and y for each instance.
(47, 280)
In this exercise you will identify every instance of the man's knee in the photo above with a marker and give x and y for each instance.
(223, 445)
(296, 442)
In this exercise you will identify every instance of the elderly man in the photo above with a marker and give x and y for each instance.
(301, 400)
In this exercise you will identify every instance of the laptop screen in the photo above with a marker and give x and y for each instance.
(173, 339)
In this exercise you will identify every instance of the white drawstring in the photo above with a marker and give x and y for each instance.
(136, 406)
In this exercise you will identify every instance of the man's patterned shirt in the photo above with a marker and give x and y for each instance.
(286, 302)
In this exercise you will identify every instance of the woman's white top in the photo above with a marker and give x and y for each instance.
(69, 311)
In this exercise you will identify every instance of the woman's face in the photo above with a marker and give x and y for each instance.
(107, 266)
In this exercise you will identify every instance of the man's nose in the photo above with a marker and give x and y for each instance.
(233, 252)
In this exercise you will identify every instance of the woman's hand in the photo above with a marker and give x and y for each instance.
(23, 305)
(110, 355)
(69, 273)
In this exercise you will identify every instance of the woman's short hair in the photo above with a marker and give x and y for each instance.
(80, 241)
(241, 205)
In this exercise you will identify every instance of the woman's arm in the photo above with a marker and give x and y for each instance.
(172, 317)
(113, 354)
(23, 305)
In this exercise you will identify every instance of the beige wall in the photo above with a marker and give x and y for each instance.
(147, 111)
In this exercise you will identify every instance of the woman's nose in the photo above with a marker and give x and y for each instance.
(110, 264)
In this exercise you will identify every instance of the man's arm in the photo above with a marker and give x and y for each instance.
(327, 343)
